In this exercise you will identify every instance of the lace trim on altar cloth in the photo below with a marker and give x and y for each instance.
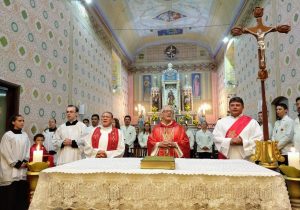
(159, 191)
(183, 167)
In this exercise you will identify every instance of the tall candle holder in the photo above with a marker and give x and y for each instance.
(34, 169)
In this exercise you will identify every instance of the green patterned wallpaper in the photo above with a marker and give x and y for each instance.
(55, 56)
(282, 57)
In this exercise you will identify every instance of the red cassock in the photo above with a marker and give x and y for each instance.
(46, 155)
(175, 133)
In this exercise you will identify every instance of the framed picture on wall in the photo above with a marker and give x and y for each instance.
(196, 85)
(147, 84)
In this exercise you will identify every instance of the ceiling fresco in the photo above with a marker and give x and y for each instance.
(137, 24)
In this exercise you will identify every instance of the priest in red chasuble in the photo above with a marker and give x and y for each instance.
(104, 141)
(235, 135)
(168, 138)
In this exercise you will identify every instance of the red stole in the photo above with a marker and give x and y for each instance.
(113, 139)
(235, 130)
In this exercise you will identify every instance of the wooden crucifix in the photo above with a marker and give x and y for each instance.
(259, 32)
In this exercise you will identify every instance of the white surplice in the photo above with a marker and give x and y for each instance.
(143, 138)
(249, 134)
(283, 132)
(13, 148)
(48, 143)
(129, 135)
(91, 152)
(297, 134)
(68, 154)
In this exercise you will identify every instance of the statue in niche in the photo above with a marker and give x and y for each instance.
(187, 101)
(155, 101)
(141, 120)
(171, 98)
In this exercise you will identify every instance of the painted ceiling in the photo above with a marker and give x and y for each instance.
(137, 24)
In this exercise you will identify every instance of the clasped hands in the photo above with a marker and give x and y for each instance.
(101, 154)
(236, 141)
(67, 142)
(167, 144)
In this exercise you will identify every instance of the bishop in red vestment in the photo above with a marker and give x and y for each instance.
(168, 138)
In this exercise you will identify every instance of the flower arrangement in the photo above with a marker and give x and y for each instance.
(154, 109)
(187, 108)
(187, 117)
(195, 122)
(155, 115)
(181, 120)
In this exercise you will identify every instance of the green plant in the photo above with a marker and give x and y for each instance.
(187, 117)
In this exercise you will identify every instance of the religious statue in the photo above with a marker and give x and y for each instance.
(146, 86)
(187, 102)
(141, 120)
(155, 101)
(171, 98)
(196, 85)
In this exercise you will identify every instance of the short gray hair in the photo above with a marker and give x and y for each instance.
(167, 107)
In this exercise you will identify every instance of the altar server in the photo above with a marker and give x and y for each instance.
(283, 131)
(235, 135)
(67, 138)
(14, 154)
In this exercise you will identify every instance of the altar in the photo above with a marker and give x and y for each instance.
(195, 184)
(173, 93)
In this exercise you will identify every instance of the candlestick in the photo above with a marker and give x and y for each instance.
(294, 158)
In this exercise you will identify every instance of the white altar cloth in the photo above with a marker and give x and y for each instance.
(195, 184)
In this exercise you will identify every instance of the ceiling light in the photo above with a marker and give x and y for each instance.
(88, 1)
(225, 40)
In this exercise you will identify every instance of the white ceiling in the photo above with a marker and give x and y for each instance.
(136, 24)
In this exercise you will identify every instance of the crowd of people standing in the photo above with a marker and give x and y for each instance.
(233, 137)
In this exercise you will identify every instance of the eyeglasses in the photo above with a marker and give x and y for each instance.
(70, 112)
(106, 116)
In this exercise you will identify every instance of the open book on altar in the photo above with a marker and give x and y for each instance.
(158, 162)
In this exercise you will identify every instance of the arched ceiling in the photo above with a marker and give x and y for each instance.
(136, 24)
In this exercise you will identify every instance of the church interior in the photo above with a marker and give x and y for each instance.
(133, 57)
(111, 55)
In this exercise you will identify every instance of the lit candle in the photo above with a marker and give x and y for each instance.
(294, 158)
(37, 155)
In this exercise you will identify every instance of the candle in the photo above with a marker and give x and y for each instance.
(38, 155)
(294, 158)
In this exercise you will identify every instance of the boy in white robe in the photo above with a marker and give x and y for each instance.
(14, 154)
(67, 138)
(49, 133)
(235, 135)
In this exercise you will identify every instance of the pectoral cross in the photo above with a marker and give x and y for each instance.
(260, 31)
